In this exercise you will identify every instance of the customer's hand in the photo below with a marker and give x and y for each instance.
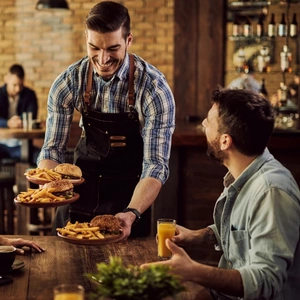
(19, 243)
(14, 122)
(180, 262)
(183, 236)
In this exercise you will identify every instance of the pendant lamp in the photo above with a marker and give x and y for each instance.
(52, 4)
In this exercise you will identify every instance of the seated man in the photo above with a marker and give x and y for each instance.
(256, 218)
(15, 99)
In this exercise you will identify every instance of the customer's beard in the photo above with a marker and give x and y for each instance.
(214, 151)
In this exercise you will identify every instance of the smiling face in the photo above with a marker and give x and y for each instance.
(107, 51)
(213, 136)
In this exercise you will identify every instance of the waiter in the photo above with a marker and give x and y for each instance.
(128, 118)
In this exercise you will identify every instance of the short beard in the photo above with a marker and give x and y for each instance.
(214, 151)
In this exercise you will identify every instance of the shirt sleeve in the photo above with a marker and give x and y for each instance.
(158, 110)
(274, 231)
(60, 116)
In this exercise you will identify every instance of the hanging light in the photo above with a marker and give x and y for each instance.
(49, 4)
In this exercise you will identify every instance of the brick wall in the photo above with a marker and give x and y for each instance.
(46, 42)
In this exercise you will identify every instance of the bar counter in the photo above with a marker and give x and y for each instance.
(63, 262)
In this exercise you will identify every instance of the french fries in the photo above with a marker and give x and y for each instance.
(39, 195)
(80, 231)
(43, 174)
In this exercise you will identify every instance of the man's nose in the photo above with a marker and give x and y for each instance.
(103, 57)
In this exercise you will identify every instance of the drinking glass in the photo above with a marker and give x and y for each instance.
(68, 292)
(165, 230)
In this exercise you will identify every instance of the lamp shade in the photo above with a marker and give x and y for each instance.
(49, 4)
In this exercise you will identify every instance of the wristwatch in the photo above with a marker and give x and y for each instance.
(136, 212)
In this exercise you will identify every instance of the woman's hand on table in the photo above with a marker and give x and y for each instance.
(19, 243)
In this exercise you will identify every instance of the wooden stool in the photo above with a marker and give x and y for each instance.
(7, 181)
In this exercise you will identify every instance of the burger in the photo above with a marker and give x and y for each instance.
(108, 224)
(68, 171)
(60, 188)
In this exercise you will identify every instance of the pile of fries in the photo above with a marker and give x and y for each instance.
(80, 231)
(39, 196)
(43, 174)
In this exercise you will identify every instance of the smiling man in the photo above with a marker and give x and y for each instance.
(128, 118)
(257, 216)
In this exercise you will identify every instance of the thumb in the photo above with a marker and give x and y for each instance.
(173, 247)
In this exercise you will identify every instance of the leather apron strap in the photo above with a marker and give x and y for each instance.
(130, 100)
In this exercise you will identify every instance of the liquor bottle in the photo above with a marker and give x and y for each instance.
(247, 28)
(263, 90)
(283, 94)
(282, 27)
(260, 26)
(294, 26)
(236, 27)
(272, 26)
(285, 59)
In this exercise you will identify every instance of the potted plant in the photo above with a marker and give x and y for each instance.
(115, 281)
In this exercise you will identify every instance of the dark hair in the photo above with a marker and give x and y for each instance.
(17, 70)
(108, 16)
(247, 117)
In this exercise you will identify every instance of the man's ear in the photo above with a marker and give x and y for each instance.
(129, 39)
(225, 141)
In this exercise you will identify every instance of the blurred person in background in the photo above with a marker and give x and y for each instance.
(15, 99)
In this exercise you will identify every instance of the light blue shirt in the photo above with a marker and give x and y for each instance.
(256, 223)
(154, 104)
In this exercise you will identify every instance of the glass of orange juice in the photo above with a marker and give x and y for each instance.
(68, 292)
(165, 230)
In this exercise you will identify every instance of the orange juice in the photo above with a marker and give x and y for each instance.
(165, 229)
(68, 296)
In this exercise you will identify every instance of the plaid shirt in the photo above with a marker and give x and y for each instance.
(154, 104)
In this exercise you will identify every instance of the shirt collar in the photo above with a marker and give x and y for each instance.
(248, 172)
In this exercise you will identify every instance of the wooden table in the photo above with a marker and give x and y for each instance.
(26, 136)
(67, 263)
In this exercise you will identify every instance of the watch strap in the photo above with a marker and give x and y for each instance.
(136, 212)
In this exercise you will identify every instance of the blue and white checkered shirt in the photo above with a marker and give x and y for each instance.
(154, 104)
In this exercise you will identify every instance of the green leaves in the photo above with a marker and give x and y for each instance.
(115, 281)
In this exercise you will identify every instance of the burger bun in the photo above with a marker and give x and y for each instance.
(68, 171)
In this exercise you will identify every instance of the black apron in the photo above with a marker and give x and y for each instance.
(110, 155)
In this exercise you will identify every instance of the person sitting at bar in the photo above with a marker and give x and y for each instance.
(257, 216)
(15, 99)
(19, 243)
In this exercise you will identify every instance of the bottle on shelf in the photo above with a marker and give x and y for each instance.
(283, 94)
(241, 63)
(272, 26)
(294, 26)
(247, 30)
(236, 27)
(282, 27)
(263, 60)
(286, 59)
(263, 90)
(260, 26)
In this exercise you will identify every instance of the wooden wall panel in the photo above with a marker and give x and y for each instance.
(199, 54)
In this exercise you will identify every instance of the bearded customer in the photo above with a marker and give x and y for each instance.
(256, 218)
(128, 118)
